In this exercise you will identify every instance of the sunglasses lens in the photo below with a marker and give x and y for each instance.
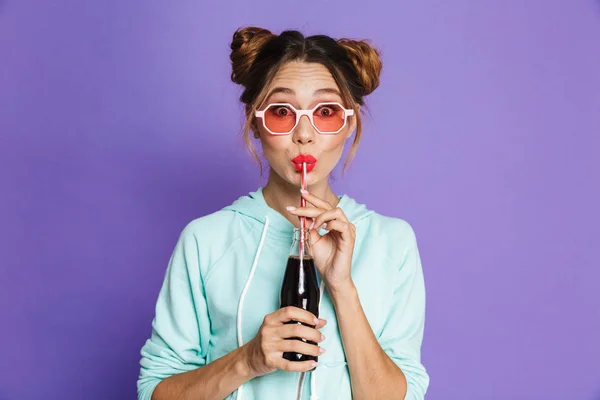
(329, 118)
(280, 119)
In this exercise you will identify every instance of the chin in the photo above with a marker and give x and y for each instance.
(296, 179)
(311, 179)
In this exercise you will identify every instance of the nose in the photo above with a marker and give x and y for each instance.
(304, 132)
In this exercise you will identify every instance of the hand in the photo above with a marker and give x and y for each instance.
(333, 251)
(264, 353)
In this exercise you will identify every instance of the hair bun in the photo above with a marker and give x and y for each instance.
(245, 46)
(366, 60)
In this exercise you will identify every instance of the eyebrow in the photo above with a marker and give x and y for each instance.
(316, 92)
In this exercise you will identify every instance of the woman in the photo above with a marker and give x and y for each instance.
(218, 331)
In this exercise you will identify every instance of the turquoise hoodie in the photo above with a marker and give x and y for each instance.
(201, 314)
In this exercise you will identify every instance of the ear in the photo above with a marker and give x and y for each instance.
(254, 130)
(352, 124)
(253, 126)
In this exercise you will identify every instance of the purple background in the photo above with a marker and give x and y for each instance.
(118, 125)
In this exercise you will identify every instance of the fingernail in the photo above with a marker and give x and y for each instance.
(312, 225)
(324, 226)
(316, 321)
(290, 208)
(322, 337)
(315, 364)
(303, 191)
(321, 350)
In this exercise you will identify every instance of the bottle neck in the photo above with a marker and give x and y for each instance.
(301, 243)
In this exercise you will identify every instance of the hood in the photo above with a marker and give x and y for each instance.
(254, 206)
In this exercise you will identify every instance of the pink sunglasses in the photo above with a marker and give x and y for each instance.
(282, 118)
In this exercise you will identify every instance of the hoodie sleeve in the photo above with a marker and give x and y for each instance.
(402, 334)
(179, 339)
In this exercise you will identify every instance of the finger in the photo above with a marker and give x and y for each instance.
(298, 346)
(295, 366)
(310, 212)
(270, 332)
(321, 323)
(344, 228)
(335, 214)
(315, 201)
(300, 331)
(292, 313)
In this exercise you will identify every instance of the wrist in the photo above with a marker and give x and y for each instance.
(243, 365)
(342, 290)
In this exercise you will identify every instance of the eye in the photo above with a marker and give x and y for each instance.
(281, 111)
(328, 110)
(324, 111)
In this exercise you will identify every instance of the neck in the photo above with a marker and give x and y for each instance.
(280, 194)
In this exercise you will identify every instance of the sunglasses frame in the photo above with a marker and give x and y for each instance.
(308, 113)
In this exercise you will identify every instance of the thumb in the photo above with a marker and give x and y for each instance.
(313, 233)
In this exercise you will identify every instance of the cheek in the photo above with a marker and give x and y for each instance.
(275, 149)
(333, 144)
(274, 143)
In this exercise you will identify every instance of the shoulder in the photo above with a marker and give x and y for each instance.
(209, 225)
(393, 236)
(396, 237)
(212, 234)
(374, 222)
(388, 228)
(393, 226)
(377, 227)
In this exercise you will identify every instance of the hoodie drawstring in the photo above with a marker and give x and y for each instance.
(313, 374)
(313, 377)
(243, 296)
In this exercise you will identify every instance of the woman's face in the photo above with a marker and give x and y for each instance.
(303, 85)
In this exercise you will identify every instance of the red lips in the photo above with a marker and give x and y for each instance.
(304, 158)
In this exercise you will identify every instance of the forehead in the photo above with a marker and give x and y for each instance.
(304, 77)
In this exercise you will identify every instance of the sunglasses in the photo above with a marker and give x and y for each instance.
(326, 118)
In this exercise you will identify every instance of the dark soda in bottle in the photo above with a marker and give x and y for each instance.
(300, 287)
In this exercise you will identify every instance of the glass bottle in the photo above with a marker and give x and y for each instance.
(300, 287)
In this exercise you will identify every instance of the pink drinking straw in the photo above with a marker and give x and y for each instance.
(302, 219)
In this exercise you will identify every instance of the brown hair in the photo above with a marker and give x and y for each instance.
(257, 55)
